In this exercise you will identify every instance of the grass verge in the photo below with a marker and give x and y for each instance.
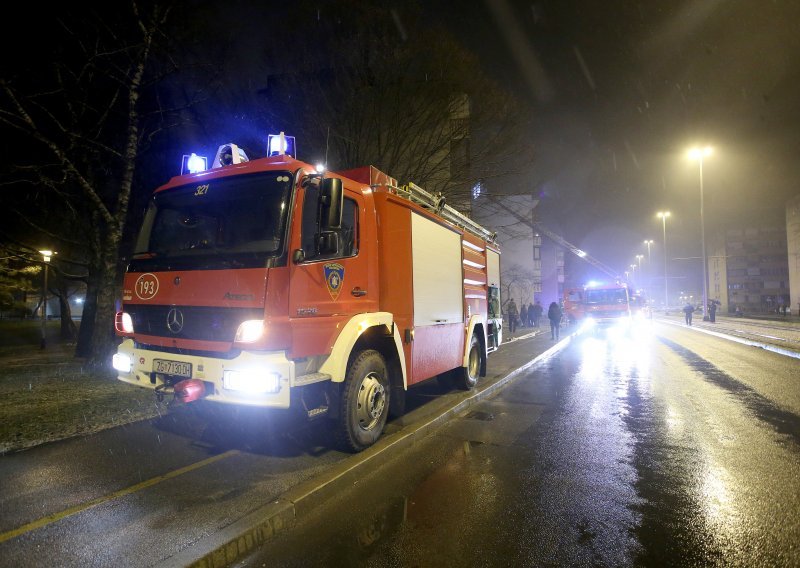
(48, 395)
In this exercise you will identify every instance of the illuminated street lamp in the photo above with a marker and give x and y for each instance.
(663, 216)
(46, 256)
(633, 274)
(649, 242)
(698, 154)
(639, 258)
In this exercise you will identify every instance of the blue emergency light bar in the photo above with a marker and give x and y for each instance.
(280, 144)
(192, 164)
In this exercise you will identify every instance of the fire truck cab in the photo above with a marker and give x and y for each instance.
(271, 283)
(607, 303)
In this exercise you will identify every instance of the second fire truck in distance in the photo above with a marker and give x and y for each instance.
(607, 304)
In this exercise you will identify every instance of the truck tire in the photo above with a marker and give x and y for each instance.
(468, 376)
(364, 405)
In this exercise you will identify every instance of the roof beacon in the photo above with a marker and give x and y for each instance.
(229, 154)
(193, 164)
(280, 144)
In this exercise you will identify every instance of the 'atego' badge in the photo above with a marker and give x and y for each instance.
(334, 276)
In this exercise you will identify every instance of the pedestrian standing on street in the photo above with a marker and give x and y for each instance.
(688, 310)
(712, 311)
(554, 315)
(513, 314)
(537, 313)
(530, 314)
(523, 315)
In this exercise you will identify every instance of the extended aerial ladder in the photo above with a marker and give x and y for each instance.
(575, 250)
(537, 226)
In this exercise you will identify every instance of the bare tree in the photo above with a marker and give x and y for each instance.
(517, 282)
(81, 126)
(419, 108)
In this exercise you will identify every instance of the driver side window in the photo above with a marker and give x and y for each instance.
(310, 228)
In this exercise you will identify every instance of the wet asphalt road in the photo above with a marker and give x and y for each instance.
(671, 448)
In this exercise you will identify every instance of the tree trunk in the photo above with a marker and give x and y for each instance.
(104, 339)
(86, 330)
(68, 328)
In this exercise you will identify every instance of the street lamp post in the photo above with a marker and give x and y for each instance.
(633, 275)
(663, 216)
(649, 242)
(46, 255)
(698, 154)
(639, 258)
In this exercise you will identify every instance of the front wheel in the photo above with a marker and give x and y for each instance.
(468, 376)
(365, 402)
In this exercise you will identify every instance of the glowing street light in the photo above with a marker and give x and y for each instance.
(698, 154)
(649, 242)
(663, 216)
(46, 256)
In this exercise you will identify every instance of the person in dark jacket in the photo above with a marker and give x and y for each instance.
(688, 310)
(530, 315)
(523, 315)
(537, 313)
(712, 311)
(554, 315)
(513, 314)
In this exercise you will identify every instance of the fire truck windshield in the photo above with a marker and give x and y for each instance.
(605, 296)
(233, 221)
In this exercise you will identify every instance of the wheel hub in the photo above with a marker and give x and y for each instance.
(371, 401)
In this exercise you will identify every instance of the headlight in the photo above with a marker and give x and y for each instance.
(121, 363)
(123, 322)
(255, 380)
(249, 331)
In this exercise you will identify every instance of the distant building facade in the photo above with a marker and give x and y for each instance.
(531, 264)
(749, 269)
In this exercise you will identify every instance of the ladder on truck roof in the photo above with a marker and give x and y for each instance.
(436, 203)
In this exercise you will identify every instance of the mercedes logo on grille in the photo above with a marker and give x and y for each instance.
(175, 320)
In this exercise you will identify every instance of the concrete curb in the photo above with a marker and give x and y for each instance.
(244, 536)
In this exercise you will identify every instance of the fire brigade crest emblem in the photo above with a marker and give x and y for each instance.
(334, 276)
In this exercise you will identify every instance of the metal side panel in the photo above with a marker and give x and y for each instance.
(437, 273)
(493, 267)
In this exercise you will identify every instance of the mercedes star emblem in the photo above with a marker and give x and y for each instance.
(175, 320)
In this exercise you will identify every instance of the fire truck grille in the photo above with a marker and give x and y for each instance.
(190, 322)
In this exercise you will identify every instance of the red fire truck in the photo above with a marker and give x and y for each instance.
(607, 303)
(270, 283)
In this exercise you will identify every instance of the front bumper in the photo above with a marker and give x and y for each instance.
(210, 370)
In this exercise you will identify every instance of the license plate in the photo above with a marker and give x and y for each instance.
(177, 368)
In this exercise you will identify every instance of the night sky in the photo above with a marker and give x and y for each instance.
(621, 89)
(618, 90)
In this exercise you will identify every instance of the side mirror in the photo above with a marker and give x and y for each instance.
(329, 242)
(332, 200)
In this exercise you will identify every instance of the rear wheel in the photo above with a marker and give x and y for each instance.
(468, 376)
(365, 402)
